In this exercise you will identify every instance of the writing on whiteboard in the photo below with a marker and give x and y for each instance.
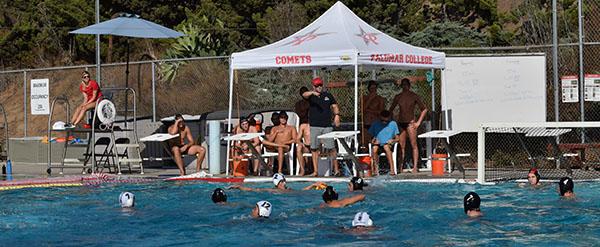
(494, 89)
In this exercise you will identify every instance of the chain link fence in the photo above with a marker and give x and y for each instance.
(201, 85)
(510, 155)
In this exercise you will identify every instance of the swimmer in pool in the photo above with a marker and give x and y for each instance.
(356, 183)
(565, 187)
(361, 223)
(472, 203)
(533, 179)
(262, 209)
(127, 200)
(362, 220)
(280, 185)
(330, 198)
(219, 196)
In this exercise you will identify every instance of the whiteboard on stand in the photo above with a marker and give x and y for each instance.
(479, 89)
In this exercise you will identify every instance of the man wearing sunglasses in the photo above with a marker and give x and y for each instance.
(322, 106)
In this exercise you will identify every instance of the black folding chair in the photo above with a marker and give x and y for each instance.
(103, 158)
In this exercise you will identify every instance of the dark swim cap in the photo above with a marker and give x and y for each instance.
(536, 173)
(329, 194)
(219, 195)
(565, 185)
(471, 201)
(357, 183)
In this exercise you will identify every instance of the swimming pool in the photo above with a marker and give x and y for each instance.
(181, 213)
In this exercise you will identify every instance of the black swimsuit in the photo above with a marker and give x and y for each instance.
(403, 125)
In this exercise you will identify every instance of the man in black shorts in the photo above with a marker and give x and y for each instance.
(406, 102)
(180, 146)
(322, 107)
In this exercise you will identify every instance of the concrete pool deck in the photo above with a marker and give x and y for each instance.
(38, 171)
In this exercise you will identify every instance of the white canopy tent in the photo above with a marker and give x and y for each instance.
(338, 38)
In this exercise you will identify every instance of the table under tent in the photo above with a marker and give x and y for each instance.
(338, 39)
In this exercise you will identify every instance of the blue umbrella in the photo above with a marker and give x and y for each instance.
(129, 25)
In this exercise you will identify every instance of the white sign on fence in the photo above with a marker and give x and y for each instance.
(592, 87)
(570, 89)
(40, 102)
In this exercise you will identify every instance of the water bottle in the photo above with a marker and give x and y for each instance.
(8, 170)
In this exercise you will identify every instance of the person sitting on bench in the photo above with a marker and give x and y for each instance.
(180, 147)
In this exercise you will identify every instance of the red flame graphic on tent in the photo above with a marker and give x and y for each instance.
(298, 40)
(368, 37)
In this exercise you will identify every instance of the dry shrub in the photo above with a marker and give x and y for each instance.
(200, 86)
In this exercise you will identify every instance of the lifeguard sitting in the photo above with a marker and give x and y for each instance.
(91, 93)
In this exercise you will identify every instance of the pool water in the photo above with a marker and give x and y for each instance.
(181, 213)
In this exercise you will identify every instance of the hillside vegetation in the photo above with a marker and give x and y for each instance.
(34, 34)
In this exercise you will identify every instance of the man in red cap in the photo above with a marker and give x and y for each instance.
(322, 107)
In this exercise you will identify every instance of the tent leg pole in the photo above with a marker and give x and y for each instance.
(356, 100)
(432, 92)
(229, 116)
(444, 107)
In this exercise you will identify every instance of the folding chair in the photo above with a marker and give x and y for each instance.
(103, 158)
(290, 154)
(125, 156)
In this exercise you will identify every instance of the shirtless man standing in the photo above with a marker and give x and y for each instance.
(180, 147)
(301, 108)
(406, 101)
(284, 135)
(244, 127)
(373, 105)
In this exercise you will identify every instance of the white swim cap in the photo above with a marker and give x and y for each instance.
(58, 125)
(264, 209)
(278, 177)
(127, 200)
(362, 219)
